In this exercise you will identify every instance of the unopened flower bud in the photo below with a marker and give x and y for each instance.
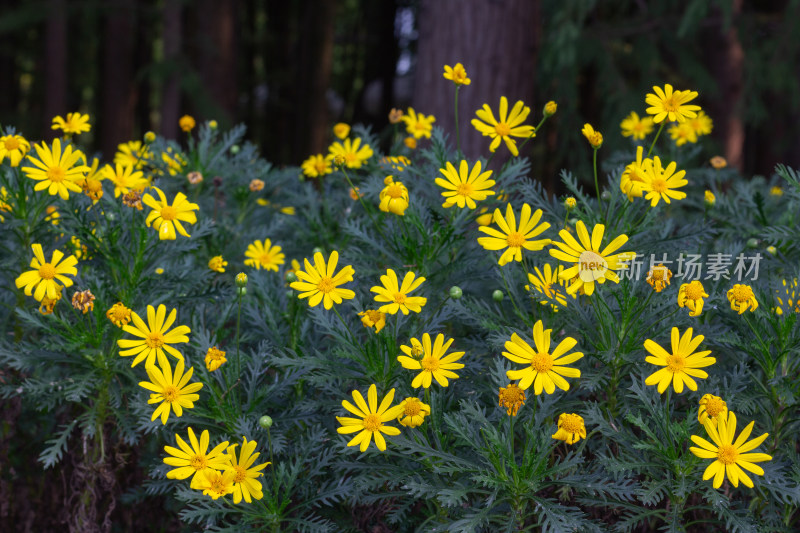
(241, 291)
(752, 242)
(606, 195)
(497, 295)
(316, 250)
(455, 292)
(772, 250)
(235, 149)
(149, 137)
(550, 108)
(570, 203)
(265, 422)
(241, 279)
(212, 124)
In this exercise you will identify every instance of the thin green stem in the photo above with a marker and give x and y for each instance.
(238, 323)
(663, 123)
(458, 137)
(596, 186)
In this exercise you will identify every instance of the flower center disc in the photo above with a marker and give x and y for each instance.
(11, 143)
(198, 462)
(47, 271)
(659, 185)
(502, 129)
(372, 422)
(727, 454)
(326, 285)
(412, 408)
(171, 393)
(515, 239)
(240, 475)
(168, 212)
(429, 363)
(350, 157)
(592, 266)
(154, 340)
(542, 362)
(56, 174)
(571, 424)
(714, 407)
(694, 291)
(670, 105)
(464, 189)
(395, 191)
(675, 363)
(399, 298)
(740, 294)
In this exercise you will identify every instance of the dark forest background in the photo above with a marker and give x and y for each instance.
(289, 69)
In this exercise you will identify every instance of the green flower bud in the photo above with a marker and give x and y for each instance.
(606, 195)
(235, 149)
(291, 277)
(241, 291)
(317, 250)
(772, 250)
(752, 242)
(149, 137)
(241, 279)
(497, 295)
(455, 292)
(212, 124)
(265, 422)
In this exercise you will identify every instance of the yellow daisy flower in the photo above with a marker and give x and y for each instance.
(711, 408)
(56, 171)
(14, 147)
(681, 365)
(701, 124)
(456, 74)
(595, 138)
(465, 187)
(591, 264)
(165, 218)
(418, 124)
(571, 428)
(74, 123)
(671, 105)
(730, 456)
(547, 283)
(638, 128)
(682, 133)
(373, 319)
(175, 161)
(509, 124)
(512, 398)
(691, 295)
(216, 484)
(351, 150)
(195, 460)
(431, 360)
(217, 264)
(43, 280)
(245, 474)
(544, 370)
(187, 123)
(372, 418)
(171, 389)
(320, 282)
(413, 413)
(397, 294)
(119, 315)
(341, 130)
(393, 197)
(512, 237)
(215, 358)
(154, 337)
(316, 166)
(124, 178)
(264, 255)
(131, 154)
(633, 178)
(659, 277)
(718, 162)
(742, 298)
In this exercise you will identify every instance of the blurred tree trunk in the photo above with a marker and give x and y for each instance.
(727, 65)
(217, 42)
(496, 40)
(55, 64)
(171, 95)
(317, 48)
(118, 88)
